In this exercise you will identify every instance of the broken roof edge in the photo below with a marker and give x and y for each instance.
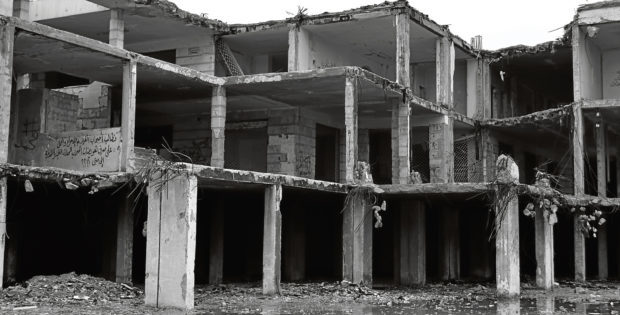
(598, 5)
(168, 8)
(551, 46)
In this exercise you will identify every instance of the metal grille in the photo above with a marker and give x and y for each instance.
(467, 165)
(227, 57)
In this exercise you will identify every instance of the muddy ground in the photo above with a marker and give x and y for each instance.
(81, 294)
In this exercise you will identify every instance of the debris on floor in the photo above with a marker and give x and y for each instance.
(67, 289)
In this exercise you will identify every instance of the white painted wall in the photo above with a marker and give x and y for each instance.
(50, 9)
(323, 53)
(611, 74)
(590, 68)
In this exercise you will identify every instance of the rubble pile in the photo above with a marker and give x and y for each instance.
(68, 289)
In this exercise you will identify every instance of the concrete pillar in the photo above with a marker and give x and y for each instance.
(412, 243)
(357, 241)
(444, 60)
(507, 226)
(128, 119)
(450, 245)
(124, 240)
(117, 28)
(298, 49)
(350, 119)
(579, 190)
(21, 9)
(171, 243)
(363, 141)
(216, 242)
(544, 251)
(601, 171)
(218, 126)
(295, 243)
(272, 240)
(404, 142)
(7, 37)
(441, 151)
(403, 49)
(6, 7)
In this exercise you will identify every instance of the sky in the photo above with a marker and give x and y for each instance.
(501, 23)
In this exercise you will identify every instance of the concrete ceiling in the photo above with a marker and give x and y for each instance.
(608, 36)
(143, 32)
(273, 40)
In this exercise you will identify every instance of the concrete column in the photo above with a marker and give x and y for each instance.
(404, 142)
(7, 37)
(124, 240)
(507, 226)
(295, 243)
(218, 126)
(6, 7)
(350, 119)
(21, 9)
(216, 242)
(441, 151)
(544, 251)
(545, 305)
(450, 245)
(117, 28)
(412, 243)
(171, 243)
(444, 61)
(363, 140)
(601, 171)
(128, 120)
(272, 240)
(298, 49)
(579, 190)
(394, 143)
(403, 49)
(357, 241)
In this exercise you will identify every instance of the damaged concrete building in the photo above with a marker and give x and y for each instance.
(146, 144)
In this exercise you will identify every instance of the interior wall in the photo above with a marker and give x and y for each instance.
(323, 53)
(590, 68)
(424, 80)
(611, 74)
(460, 86)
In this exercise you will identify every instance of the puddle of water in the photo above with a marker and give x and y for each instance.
(541, 305)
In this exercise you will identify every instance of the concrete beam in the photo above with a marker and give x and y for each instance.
(7, 38)
(128, 119)
(412, 243)
(171, 243)
(351, 124)
(216, 242)
(441, 151)
(601, 175)
(117, 28)
(544, 251)
(508, 277)
(218, 126)
(357, 241)
(124, 240)
(403, 50)
(272, 240)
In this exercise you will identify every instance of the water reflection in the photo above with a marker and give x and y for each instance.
(508, 306)
(545, 304)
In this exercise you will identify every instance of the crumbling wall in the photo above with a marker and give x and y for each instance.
(292, 143)
(94, 110)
